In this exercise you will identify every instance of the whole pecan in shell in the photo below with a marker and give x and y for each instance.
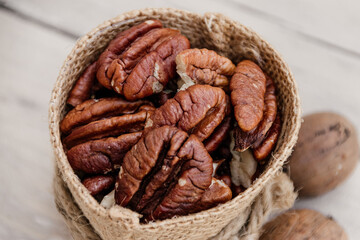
(144, 65)
(197, 110)
(248, 86)
(203, 66)
(244, 140)
(82, 89)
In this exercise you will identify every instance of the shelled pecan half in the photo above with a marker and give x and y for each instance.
(160, 172)
(140, 61)
(248, 86)
(203, 66)
(197, 110)
(98, 184)
(264, 148)
(244, 140)
(82, 89)
(91, 132)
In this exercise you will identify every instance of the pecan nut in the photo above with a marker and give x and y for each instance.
(203, 66)
(83, 86)
(103, 155)
(218, 136)
(98, 184)
(244, 140)
(197, 110)
(144, 64)
(263, 149)
(248, 86)
(118, 45)
(96, 119)
(161, 170)
(218, 192)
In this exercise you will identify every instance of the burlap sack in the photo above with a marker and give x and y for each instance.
(236, 218)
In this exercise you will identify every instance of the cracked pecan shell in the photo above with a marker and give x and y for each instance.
(203, 66)
(144, 64)
(82, 89)
(197, 110)
(164, 167)
(244, 140)
(103, 155)
(248, 86)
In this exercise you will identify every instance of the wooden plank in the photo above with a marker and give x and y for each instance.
(321, 72)
(342, 204)
(30, 58)
(327, 77)
(330, 22)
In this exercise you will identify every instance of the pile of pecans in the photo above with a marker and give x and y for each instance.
(167, 130)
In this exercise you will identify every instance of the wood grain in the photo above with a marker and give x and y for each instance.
(318, 39)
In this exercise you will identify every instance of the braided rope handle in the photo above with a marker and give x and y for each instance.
(277, 196)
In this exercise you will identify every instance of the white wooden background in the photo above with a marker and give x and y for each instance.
(319, 39)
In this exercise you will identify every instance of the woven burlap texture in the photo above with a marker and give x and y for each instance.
(276, 196)
(212, 31)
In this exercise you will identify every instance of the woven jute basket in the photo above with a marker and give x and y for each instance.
(239, 218)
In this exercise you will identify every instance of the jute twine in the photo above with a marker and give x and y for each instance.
(239, 218)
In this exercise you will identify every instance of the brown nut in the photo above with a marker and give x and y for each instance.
(248, 86)
(96, 119)
(203, 66)
(221, 132)
(195, 178)
(94, 109)
(197, 110)
(302, 224)
(103, 155)
(244, 140)
(325, 155)
(114, 126)
(98, 184)
(83, 86)
(144, 66)
(172, 164)
(118, 45)
(264, 148)
(218, 192)
(151, 152)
